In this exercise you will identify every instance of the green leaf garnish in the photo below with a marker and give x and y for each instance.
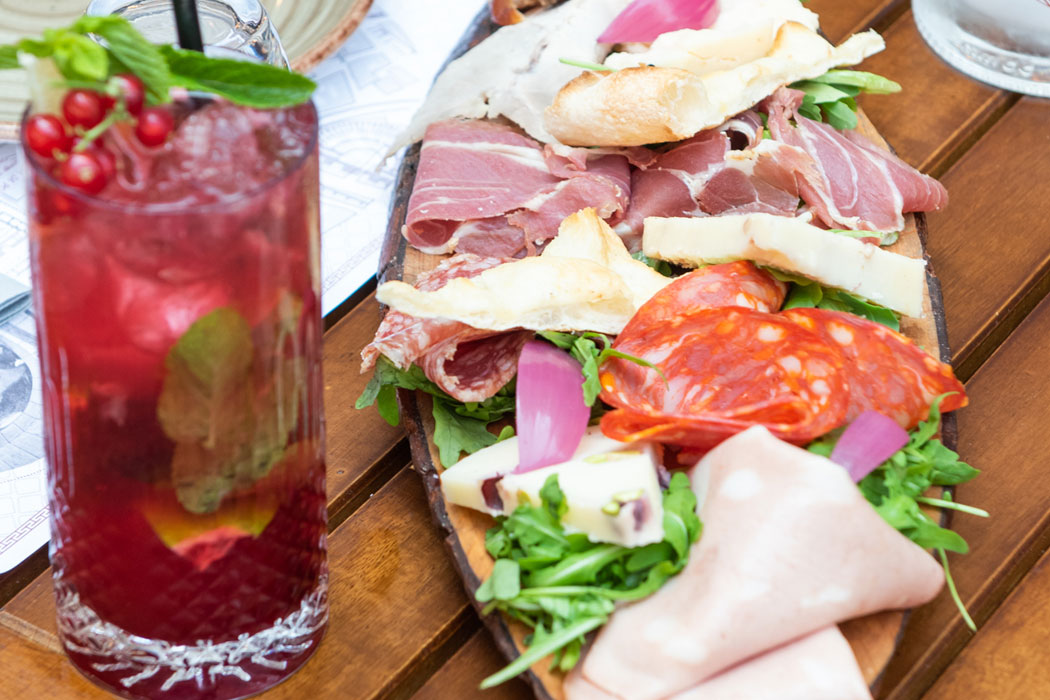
(229, 431)
(568, 586)
(252, 84)
(85, 62)
(661, 266)
(896, 487)
(584, 348)
(589, 65)
(809, 294)
(830, 97)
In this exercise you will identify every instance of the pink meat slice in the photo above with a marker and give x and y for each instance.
(847, 180)
(789, 547)
(819, 666)
(468, 364)
(471, 170)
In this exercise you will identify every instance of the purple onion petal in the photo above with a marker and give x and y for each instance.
(867, 442)
(644, 20)
(551, 414)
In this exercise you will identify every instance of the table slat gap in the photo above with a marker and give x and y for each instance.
(431, 659)
(27, 630)
(344, 504)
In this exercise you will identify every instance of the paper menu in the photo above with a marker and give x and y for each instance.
(367, 94)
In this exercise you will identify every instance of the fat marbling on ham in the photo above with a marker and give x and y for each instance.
(849, 181)
(467, 363)
(486, 188)
(790, 546)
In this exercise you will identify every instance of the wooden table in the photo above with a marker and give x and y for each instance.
(401, 625)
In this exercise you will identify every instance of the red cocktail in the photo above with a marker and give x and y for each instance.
(179, 327)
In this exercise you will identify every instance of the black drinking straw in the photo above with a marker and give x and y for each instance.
(188, 25)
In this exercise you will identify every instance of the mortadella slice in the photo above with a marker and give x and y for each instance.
(820, 666)
(789, 547)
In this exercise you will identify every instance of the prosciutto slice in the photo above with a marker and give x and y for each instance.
(790, 546)
(467, 363)
(847, 180)
(495, 189)
(728, 170)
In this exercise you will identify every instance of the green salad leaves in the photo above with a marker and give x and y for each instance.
(120, 48)
(830, 97)
(896, 487)
(563, 585)
(458, 427)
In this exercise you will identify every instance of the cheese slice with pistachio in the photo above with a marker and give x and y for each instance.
(792, 245)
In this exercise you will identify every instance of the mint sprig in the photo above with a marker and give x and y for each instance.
(120, 48)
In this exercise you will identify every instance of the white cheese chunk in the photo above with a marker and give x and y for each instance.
(611, 489)
(793, 245)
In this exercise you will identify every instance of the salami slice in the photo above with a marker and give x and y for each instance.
(726, 369)
(467, 363)
(729, 284)
(886, 371)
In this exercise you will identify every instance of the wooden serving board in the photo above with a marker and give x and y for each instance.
(873, 638)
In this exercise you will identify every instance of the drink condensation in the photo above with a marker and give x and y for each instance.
(229, 27)
(1005, 43)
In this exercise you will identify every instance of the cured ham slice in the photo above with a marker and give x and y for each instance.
(705, 176)
(476, 171)
(789, 547)
(468, 364)
(847, 180)
(820, 666)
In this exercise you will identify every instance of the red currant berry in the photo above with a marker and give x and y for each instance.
(155, 123)
(46, 134)
(106, 159)
(84, 172)
(83, 108)
(134, 93)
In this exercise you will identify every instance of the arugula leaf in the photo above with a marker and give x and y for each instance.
(661, 266)
(867, 82)
(808, 294)
(252, 84)
(588, 65)
(585, 350)
(884, 237)
(896, 487)
(455, 434)
(9, 58)
(830, 97)
(567, 586)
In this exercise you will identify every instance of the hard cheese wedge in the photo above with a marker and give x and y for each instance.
(793, 245)
(789, 547)
(612, 493)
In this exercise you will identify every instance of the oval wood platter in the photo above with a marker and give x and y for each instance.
(873, 638)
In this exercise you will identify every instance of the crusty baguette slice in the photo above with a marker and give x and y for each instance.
(638, 106)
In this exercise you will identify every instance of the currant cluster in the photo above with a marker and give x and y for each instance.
(72, 142)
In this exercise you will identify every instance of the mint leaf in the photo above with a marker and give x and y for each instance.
(77, 56)
(229, 427)
(9, 57)
(132, 51)
(251, 84)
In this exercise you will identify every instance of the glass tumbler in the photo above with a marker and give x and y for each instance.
(1005, 43)
(227, 26)
(180, 343)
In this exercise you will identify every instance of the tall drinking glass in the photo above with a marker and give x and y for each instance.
(227, 26)
(179, 326)
(1005, 43)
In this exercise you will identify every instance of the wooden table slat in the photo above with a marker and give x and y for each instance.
(998, 433)
(459, 677)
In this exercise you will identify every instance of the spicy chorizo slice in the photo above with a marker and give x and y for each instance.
(886, 371)
(737, 283)
(726, 369)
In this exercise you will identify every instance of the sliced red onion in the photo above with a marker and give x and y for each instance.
(551, 415)
(867, 442)
(644, 20)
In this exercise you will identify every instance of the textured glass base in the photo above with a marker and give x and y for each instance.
(978, 58)
(135, 666)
